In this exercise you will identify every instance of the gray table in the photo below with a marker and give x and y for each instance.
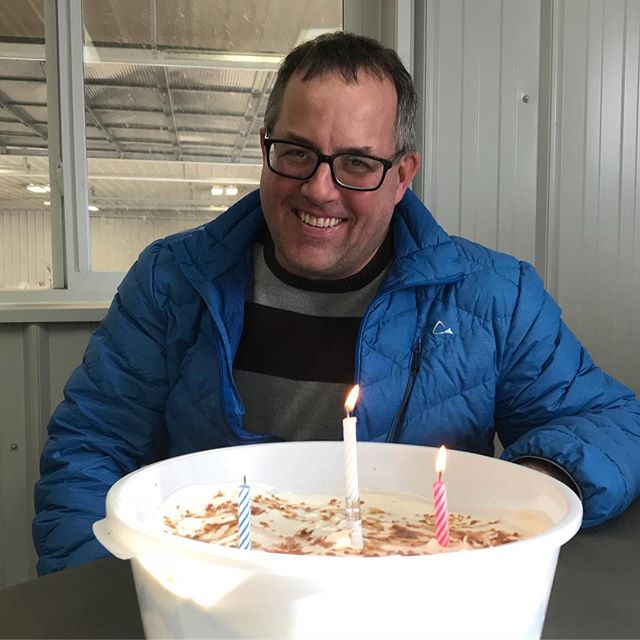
(596, 593)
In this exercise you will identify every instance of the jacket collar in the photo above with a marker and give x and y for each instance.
(208, 251)
(423, 252)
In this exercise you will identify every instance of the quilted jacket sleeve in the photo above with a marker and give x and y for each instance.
(554, 402)
(110, 422)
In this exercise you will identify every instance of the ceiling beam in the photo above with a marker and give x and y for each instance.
(193, 58)
(123, 109)
(150, 127)
(120, 126)
(159, 57)
(250, 182)
(104, 83)
(261, 84)
(15, 150)
(21, 116)
(107, 134)
(111, 84)
(21, 172)
(186, 157)
(207, 114)
(164, 89)
(153, 24)
(17, 134)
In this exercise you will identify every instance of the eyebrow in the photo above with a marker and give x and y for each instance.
(292, 137)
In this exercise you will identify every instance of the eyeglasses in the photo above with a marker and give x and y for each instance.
(349, 170)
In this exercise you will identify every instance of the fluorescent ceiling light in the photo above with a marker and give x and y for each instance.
(231, 190)
(216, 190)
(93, 208)
(38, 188)
(47, 203)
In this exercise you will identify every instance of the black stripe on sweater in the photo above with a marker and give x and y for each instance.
(297, 346)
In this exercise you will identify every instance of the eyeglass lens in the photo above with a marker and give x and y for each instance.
(350, 170)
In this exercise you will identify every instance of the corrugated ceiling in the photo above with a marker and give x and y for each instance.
(149, 123)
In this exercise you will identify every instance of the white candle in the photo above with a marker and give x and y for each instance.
(352, 501)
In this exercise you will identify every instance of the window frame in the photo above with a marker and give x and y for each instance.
(78, 292)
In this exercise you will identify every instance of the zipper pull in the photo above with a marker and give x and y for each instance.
(415, 358)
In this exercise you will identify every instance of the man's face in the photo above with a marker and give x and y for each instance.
(332, 116)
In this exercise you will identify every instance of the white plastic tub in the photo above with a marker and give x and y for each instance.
(190, 589)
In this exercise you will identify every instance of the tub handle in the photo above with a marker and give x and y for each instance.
(103, 533)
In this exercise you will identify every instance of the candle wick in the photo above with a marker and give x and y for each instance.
(245, 480)
(439, 476)
(348, 414)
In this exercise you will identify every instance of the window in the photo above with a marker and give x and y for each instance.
(25, 226)
(122, 121)
(175, 94)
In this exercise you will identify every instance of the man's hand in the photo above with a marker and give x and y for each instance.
(552, 469)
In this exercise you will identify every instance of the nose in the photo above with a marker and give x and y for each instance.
(320, 187)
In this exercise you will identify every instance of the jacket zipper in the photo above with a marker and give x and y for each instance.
(413, 373)
(416, 350)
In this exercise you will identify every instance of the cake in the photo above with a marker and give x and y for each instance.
(393, 523)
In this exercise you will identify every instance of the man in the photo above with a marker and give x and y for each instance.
(242, 332)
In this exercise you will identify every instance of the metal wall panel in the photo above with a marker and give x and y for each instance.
(480, 136)
(36, 362)
(14, 510)
(594, 223)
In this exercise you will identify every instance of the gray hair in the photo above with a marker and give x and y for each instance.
(348, 54)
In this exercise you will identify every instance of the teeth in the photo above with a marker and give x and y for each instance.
(318, 222)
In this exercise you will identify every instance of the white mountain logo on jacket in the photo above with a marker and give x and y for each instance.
(440, 329)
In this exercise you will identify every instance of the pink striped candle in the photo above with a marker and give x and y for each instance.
(440, 500)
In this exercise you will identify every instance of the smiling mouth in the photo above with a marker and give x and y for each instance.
(312, 221)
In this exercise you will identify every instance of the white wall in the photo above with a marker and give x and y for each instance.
(479, 163)
(552, 179)
(25, 248)
(117, 241)
(594, 224)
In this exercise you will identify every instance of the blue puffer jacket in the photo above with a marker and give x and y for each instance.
(460, 341)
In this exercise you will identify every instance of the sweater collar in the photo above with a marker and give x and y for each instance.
(357, 281)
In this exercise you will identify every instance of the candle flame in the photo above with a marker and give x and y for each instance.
(441, 460)
(351, 399)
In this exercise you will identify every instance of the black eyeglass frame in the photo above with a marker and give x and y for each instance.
(386, 163)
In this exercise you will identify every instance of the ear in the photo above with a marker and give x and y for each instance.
(408, 166)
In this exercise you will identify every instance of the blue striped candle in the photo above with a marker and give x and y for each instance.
(244, 516)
